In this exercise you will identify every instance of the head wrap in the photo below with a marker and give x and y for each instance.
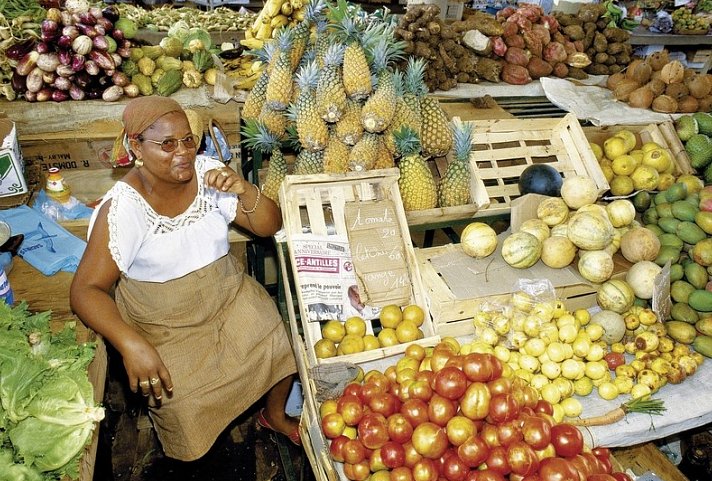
(139, 114)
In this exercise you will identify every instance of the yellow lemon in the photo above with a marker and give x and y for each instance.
(645, 177)
(414, 313)
(334, 331)
(324, 348)
(356, 326)
(387, 337)
(628, 138)
(622, 185)
(637, 154)
(350, 344)
(623, 165)
(390, 316)
(370, 342)
(659, 159)
(614, 147)
(597, 150)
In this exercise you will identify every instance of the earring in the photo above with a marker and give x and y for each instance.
(138, 162)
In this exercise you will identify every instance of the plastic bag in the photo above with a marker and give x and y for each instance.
(58, 211)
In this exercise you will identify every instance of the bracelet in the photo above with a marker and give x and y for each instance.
(257, 202)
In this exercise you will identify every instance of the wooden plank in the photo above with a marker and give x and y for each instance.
(647, 457)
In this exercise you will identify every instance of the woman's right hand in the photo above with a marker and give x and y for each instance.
(146, 372)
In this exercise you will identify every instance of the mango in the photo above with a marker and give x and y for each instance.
(676, 191)
(650, 216)
(669, 224)
(680, 291)
(704, 326)
(700, 300)
(660, 198)
(702, 252)
(683, 210)
(681, 331)
(689, 232)
(704, 220)
(696, 275)
(642, 201)
(668, 239)
(676, 272)
(664, 209)
(682, 312)
(703, 345)
(667, 254)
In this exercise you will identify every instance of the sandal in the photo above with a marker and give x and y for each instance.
(293, 436)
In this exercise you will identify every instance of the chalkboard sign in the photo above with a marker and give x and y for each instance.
(378, 253)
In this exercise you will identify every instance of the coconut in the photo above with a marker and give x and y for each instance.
(672, 72)
(614, 80)
(677, 90)
(705, 104)
(629, 72)
(688, 104)
(665, 104)
(657, 86)
(688, 73)
(640, 71)
(658, 60)
(699, 86)
(624, 89)
(641, 97)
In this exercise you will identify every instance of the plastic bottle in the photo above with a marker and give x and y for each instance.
(6, 293)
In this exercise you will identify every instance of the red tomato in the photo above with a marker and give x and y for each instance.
(393, 454)
(501, 385)
(353, 451)
(600, 451)
(475, 403)
(425, 470)
(522, 458)
(567, 440)
(536, 432)
(369, 389)
(478, 367)
(620, 476)
(486, 475)
(384, 403)
(350, 407)
(335, 448)
(415, 411)
(503, 408)
(450, 382)
(459, 429)
(402, 474)
(441, 409)
(474, 451)
(509, 432)
(375, 461)
(420, 389)
(353, 389)
(411, 455)
(373, 430)
(489, 434)
(399, 429)
(430, 440)
(557, 469)
(614, 359)
(497, 460)
(357, 471)
(600, 477)
(454, 468)
(544, 407)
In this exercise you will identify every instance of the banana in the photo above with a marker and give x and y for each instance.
(252, 43)
(272, 8)
(279, 21)
(265, 32)
(286, 8)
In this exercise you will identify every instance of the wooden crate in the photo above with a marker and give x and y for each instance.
(307, 201)
(452, 315)
(503, 148)
(662, 134)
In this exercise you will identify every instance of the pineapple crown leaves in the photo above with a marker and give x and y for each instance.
(463, 134)
(256, 136)
(309, 56)
(334, 54)
(407, 141)
(385, 17)
(314, 11)
(383, 51)
(399, 83)
(284, 37)
(292, 139)
(292, 112)
(308, 75)
(415, 77)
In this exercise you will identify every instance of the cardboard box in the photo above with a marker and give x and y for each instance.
(12, 172)
(70, 155)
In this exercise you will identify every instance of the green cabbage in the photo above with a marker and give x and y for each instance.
(127, 26)
(196, 40)
(179, 30)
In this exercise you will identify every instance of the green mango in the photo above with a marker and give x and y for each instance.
(664, 210)
(703, 345)
(669, 224)
(700, 300)
(668, 239)
(680, 291)
(676, 272)
(667, 254)
(681, 311)
(650, 216)
(684, 210)
(660, 198)
(681, 331)
(696, 275)
(704, 326)
(689, 232)
(704, 220)
(642, 201)
(655, 228)
(676, 191)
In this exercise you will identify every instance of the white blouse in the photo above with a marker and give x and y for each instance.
(150, 247)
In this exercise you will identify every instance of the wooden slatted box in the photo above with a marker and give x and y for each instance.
(310, 203)
(503, 148)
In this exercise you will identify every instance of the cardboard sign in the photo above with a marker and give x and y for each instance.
(377, 253)
(12, 177)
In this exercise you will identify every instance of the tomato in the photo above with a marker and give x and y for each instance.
(350, 407)
(353, 451)
(600, 477)
(619, 476)
(335, 448)
(439, 358)
(420, 389)
(459, 429)
(384, 403)
(373, 430)
(333, 425)
(501, 385)
(475, 403)
(352, 389)
(583, 465)
(415, 411)
(547, 452)
(503, 408)
(454, 468)
(401, 474)
(430, 440)
(567, 439)
(399, 429)
(487, 475)
(497, 460)
(369, 389)
(614, 359)
(536, 432)
(393, 454)
(489, 434)
(375, 461)
(509, 432)
(473, 451)
(600, 451)
(606, 465)
(441, 409)
(455, 361)
(478, 367)
(522, 459)
(557, 469)
(543, 406)
(411, 455)
(425, 470)
(450, 382)
(357, 471)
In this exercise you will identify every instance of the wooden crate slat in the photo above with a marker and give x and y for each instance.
(523, 151)
(508, 125)
(315, 210)
(338, 201)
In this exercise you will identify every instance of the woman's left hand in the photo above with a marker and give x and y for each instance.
(225, 179)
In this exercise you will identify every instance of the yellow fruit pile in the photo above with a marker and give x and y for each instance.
(398, 326)
(629, 169)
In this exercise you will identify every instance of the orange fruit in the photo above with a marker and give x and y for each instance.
(387, 337)
(356, 326)
(324, 348)
(390, 316)
(407, 331)
(414, 313)
(333, 330)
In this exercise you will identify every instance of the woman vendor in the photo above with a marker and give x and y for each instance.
(199, 338)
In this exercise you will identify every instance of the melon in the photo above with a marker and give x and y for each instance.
(590, 231)
(612, 323)
(558, 252)
(553, 211)
(641, 277)
(640, 244)
(615, 295)
(478, 240)
(537, 228)
(621, 212)
(595, 266)
(521, 250)
(578, 191)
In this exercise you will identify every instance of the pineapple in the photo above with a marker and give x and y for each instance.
(380, 107)
(364, 154)
(321, 44)
(336, 156)
(435, 133)
(330, 94)
(414, 84)
(357, 82)
(311, 128)
(256, 98)
(257, 136)
(303, 29)
(349, 129)
(274, 120)
(279, 87)
(309, 163)
(384, 157)
(416, 184)
(454, 187)
(404, 116)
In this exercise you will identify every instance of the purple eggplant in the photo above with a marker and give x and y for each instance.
(62, 83)
(105, 23)
(118, 59)
(49, 77)
(65, 57)
(102, 59)
(78, 62)
(87, 30)
(131, 90)
(49, 27)
(94, 93)
(20, 49)
(82, 79)
(34, 80)
(60, 95)
(123, 52)
(65, 71)
(118, 35)
(112, 94)
(43, 47)
(64, 41)
(111, 12)
(30, 96)
(48, 61)
(70, 31)
(120, 79)
(76, 93)
(19, 83)
(105, 81)
(47, 37)
(66, 18)
(82, 45)
(100, 43)
(91, 67)
(27, 63)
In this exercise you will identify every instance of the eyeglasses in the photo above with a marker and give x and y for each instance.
(169, 145)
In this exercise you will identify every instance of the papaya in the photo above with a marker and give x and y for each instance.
(681, 331)
(704, 220)
(680, 291)
(684, 210)
(689, 232)
(676, 272)
(703, 345)
(669, 239)
(664, 210)
(667, 254)
(700, 300)
(681, 311)
(696, 275)
(704, 326)
(668, 224)
(676, 191)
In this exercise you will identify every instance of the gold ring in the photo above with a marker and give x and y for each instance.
(224, 173)
(144, 383)
(154, 381)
